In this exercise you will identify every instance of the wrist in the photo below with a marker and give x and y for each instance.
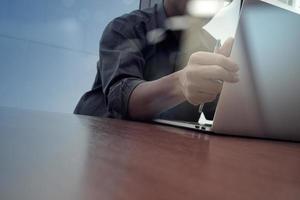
(177, 86)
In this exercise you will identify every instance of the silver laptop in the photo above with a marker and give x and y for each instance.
(266, 101)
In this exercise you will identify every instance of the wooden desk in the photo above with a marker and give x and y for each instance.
(50, 156)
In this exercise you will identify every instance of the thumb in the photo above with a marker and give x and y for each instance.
(225, 50)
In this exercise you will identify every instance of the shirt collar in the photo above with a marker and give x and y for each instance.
(161, 15)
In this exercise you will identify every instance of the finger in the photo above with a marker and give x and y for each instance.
(206, 98)
(225, 50)
(205, 86)
(206, 58)
(210, 87)
(199, 98)
(215, 72)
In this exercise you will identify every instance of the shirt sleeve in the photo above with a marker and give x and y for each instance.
(121, 65)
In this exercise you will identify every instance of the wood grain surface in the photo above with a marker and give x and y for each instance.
(47, 156)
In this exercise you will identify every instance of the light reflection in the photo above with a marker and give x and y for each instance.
(297, 4)
(199, 13)
(155, 36)
(206, 8)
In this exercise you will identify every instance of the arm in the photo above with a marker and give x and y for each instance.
(196, 83)
(153, 97)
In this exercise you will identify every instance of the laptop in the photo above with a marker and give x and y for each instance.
(266, 101)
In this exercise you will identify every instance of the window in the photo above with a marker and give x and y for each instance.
(49, 50)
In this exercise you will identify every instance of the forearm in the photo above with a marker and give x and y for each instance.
(153, 97)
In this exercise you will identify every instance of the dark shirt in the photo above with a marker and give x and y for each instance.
(127, 59)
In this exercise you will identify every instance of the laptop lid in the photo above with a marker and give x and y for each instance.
(265, 103)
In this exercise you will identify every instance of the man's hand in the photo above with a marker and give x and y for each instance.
(201, 80)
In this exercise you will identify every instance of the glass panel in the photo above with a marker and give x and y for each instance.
(49, 49)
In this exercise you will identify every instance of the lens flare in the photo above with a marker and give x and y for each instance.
(206, 8)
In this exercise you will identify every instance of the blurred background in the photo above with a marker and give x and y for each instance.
(49, 49)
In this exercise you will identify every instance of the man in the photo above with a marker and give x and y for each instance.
(138, 80)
